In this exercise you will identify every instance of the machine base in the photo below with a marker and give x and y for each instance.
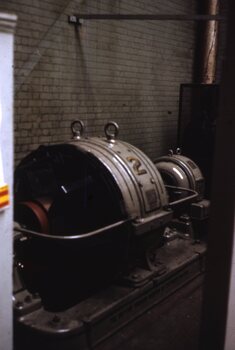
(93, 320)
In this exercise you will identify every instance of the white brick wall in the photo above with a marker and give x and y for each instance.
(127, 71)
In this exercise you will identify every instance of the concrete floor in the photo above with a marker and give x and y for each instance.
(172, 325)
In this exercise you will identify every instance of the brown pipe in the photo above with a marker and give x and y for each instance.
(210, 45)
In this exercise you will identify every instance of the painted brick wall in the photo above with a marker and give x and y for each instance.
(127, 71)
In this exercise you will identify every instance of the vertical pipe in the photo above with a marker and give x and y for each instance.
(210, 45)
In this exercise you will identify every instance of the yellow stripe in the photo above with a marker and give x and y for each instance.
(5, 198)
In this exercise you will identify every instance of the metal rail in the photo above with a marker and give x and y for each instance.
(193, 195)
(104, 229)
(75, 19)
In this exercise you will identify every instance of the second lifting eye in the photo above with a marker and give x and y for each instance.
(77, 128)
(111, 131)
